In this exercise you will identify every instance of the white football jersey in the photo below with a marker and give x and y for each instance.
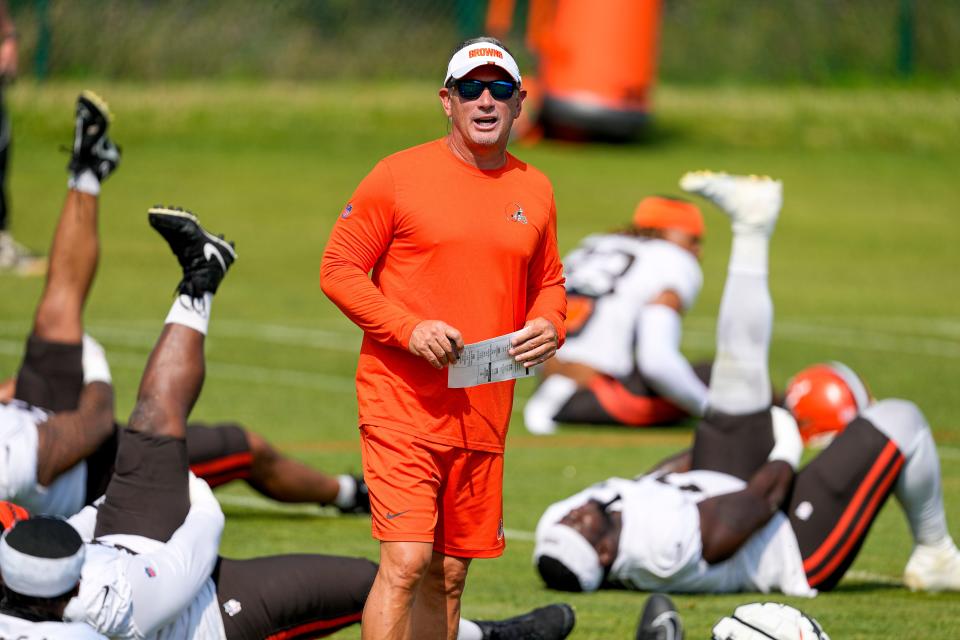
(117, 565)
(105, 600)
(18, 466)
(609, 279)
(660, 545)
(19, 629)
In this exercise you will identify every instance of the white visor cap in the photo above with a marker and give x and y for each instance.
(572, 550)
(37, 577)
(480, 54)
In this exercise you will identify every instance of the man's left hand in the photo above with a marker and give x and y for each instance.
(536, 343)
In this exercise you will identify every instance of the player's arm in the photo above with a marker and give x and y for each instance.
(659, 358)
(727, 521)
(545, 329)
(359, 238)
(69, 437)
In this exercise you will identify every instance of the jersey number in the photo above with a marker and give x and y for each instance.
(591, 273)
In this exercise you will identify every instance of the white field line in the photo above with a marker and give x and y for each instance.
(843, 337)
(229, 371)
(142, 333)
(869, 576)
(941, 336)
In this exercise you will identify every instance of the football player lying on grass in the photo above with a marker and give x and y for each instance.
(149, 566)
(733, 514)
(627, 292)
(63, 456)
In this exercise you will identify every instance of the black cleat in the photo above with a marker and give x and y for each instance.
(659, 620)
(92, 149)
(205, 258)
(361, 499)
(553, 622)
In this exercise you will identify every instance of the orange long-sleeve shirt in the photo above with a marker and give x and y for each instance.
(445, 241)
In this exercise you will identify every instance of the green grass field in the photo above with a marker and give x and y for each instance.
(864, 270)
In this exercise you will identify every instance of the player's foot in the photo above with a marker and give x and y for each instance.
(361, 498)
(205, 258)
(546, 402)
(553, 622)
(659, 620)
(752, 202)
(16, 258)
(934, 567)
(538, 417)
(92, 149)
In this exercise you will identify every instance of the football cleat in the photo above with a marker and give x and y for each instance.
(933, 567)
(659, 620)
(361, 499)
(16, 258)
(92, 149)
(768, 621)
(824, 398)
(752, 202)
(553, 622)
(204, 257)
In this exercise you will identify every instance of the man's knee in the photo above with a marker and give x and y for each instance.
(58, 319)
(261, 452)
(404, 565)
(447, 576)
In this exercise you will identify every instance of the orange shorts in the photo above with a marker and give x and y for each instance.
(422, 491)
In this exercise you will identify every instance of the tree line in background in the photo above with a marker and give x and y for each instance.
(702, 41)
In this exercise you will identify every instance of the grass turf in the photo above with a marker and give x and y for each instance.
(863, 270)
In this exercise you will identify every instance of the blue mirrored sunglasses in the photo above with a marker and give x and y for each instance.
(472, 89)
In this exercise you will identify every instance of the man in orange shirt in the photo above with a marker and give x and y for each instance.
(460, 237)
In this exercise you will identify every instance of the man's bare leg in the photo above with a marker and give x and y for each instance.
(68, 438)
(174, 373)
(436, 609)
(155, 502)
(76, 248)
(285, 479)
(73, 265)
(388, 613)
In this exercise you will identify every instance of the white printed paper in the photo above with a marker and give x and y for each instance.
(486, 361)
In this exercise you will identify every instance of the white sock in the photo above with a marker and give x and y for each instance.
(191, 312)
(749, 253)
(94, 359)
(469, 630)
(740, 379)
(347, 495)
(85, 182)
(546, 402)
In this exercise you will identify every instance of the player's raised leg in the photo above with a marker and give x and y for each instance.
(50, 374)
(737, 435)
(63, 370)
(170, 385)
(740, 382)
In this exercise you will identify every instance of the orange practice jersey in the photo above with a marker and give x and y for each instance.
(445, 241)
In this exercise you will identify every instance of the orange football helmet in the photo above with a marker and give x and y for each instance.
(824, 398)
(10, 514)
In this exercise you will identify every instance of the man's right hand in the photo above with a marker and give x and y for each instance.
(436, 342)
